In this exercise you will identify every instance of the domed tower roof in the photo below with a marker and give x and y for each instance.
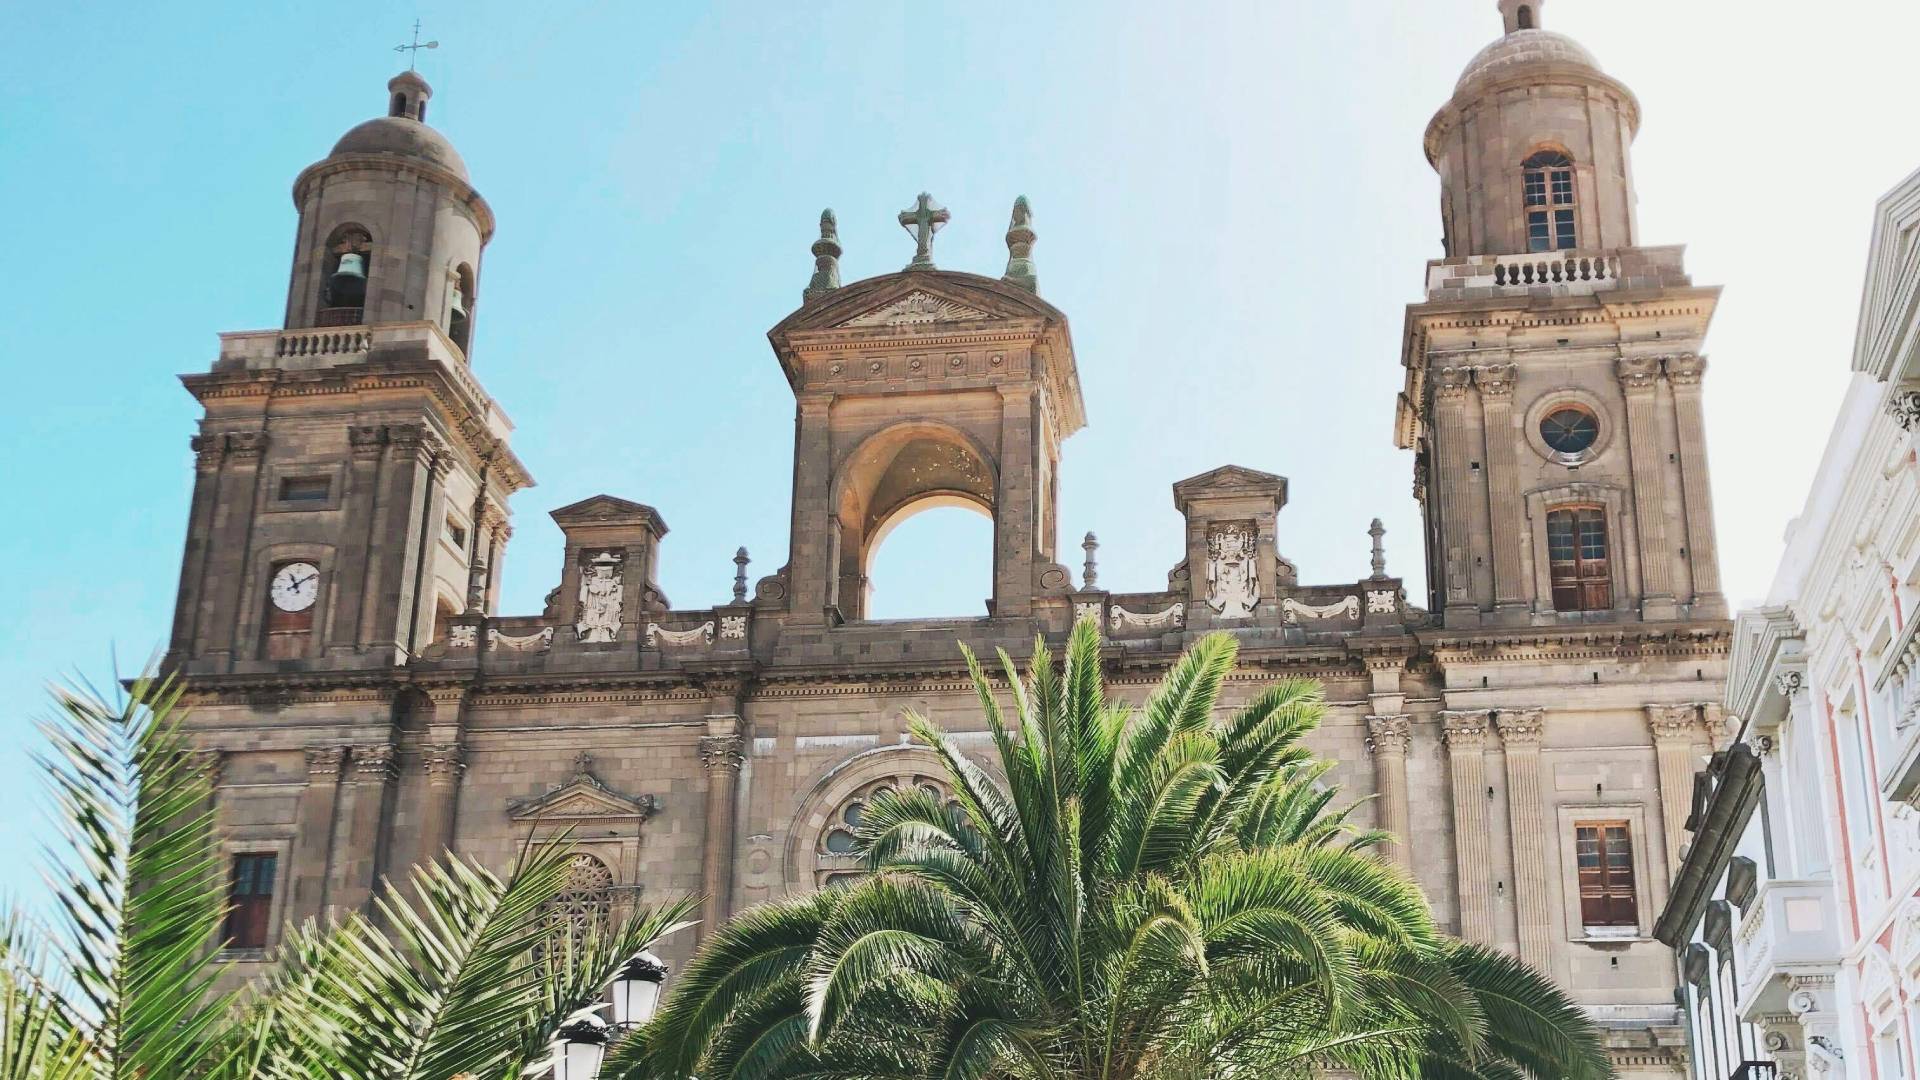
(1522, 52)
(403, 131)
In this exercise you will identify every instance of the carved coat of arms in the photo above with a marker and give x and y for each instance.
(1233, 573)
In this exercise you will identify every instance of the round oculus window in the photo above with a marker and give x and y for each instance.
(1569, 431)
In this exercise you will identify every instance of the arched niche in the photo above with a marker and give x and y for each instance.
(892, 475)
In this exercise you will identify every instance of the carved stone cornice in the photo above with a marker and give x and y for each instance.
(1686, 369)
(246, 447)
(1520, 727)
(325, 762)
(208, 451)
(372, 763)
(1904, 407)
(1464, 730)
(443, 764)
(1674, 723)
(1450, 383)
(1637, 372)
(1389, 734)
(1495, 380)
(722, 751)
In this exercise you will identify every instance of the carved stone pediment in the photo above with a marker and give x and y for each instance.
(1229, 481)
(917, 308)
(609, 510)
(584, 797)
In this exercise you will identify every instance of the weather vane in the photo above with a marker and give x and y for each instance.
(413, 50)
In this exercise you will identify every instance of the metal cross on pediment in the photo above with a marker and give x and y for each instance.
(413, 50)
(923, 221)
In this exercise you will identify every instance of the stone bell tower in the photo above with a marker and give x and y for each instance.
(352, 475)
(920, 388)
(1554, 369)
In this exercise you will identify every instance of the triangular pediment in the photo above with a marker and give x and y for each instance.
(609, 510)
(917, 308)
(1888, 337)
(585, 797)
(1230, 480)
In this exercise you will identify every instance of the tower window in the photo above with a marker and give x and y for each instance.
(1569, 431)
(306, 489)
(343, 290)
(1604, 853)
(1526, 16)
(250, 900)
(460, 306)
(1547, 185)
(1577, 555)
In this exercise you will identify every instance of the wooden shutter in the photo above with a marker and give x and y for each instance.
(1578, 555)
(250, 895)
(1604, 853)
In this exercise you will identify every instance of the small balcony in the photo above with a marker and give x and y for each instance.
(1555, 273)
(1755, 1070)
(1790, 928)
(1899, 682)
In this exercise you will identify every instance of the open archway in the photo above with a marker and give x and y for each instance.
(897, 475)
(930, 557)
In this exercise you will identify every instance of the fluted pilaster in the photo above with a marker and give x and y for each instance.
(1465, 734)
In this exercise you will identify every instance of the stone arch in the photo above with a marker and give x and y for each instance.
(811, 864)
(892, 474)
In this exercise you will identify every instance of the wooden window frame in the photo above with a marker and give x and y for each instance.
(249, 922)
(1609, 891)
(1550, 201)
(1583, 582)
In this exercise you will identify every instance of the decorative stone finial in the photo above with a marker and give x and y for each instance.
(1020, 237)
(740, 561)
(1521, 14)
(923, 220)
(1090, 573)
(826, 260)
(1377, 531)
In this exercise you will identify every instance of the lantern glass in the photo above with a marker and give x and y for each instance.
(579, 1060)
(636, 990)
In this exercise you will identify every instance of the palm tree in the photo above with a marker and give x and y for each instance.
(464, 975)
(1153, 893)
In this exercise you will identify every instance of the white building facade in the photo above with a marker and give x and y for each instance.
(1795, 915)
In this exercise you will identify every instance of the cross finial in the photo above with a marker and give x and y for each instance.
(1379, 552)
(923, 220)
(413, 50)
(740, 561)
(1020, 237)
(826, 260)
(1090, 573)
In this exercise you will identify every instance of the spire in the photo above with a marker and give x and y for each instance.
(740, 561)
(1090, 573)
(1377, 531)
(826, 260)
(1020, 237)
(1521, 14)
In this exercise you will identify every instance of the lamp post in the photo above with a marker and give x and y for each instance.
(579, 1046)
(636, 990)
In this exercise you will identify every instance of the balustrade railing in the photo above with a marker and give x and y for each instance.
(1755, 1070)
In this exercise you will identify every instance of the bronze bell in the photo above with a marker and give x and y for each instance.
(348, 285)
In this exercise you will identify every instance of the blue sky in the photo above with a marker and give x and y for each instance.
(1231, 202)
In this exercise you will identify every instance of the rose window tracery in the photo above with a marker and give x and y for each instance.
(837, 858)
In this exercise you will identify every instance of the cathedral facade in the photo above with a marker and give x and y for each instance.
(1530, 727)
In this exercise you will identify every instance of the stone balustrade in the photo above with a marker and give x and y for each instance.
(1557, 273)
(1791, 928)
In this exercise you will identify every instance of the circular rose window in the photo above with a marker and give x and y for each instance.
(1569, 431)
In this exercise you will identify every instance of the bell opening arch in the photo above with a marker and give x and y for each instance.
(891, 476)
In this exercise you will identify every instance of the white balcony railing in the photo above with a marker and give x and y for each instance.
(1791, 927)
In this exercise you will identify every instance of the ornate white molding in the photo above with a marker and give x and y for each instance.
(733, 626)
(1086, 609)
(699, 635)
(464, 636)
(1233, 571)
(538, 642)
(1382, 602)
(1122, 619)
(1347, 607)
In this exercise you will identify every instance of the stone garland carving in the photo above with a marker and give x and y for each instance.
(1120, 619)
(1347, 607)
(733, 626)
(535, 642)
(465, 636)
(699, 635)
(1382, 602)
(1233, 573)
(601, 592)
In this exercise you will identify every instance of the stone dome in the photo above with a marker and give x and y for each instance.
(1523, 49)
(402, 137)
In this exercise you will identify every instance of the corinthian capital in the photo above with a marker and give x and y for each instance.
(1674, 723)
(1520, 727)
(1637, 372)
(1686, 369)
(207, 452)
(1495, 380)
(325, 762)
(373, 763)
(1389, 734)
(1450, 383)
(443, 764)
(722, 751)
(1464, 729)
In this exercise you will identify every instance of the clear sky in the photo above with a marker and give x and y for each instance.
(1231, 200)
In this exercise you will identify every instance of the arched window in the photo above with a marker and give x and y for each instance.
(1547, 184)
(460, 306)
(1577, 553)
(587, 896)
(343, 280)
(1526, 16)
(837, 859)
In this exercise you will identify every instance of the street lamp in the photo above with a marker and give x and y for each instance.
(580, 1046)
(636, 990)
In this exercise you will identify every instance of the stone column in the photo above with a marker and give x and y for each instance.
(1684, 373)
(1465, 734)
(362, 847)
(1676, 731)
(722, 752)
(1453, 451)
(1520, 739)
(354, 562)
(208, 453)
(1388, 738)
(443, 764)
(1014, 505)
(1639, 380)
(810, 561)
(1503, 486)
(313, 842)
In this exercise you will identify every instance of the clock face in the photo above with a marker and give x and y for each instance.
(295, 586)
